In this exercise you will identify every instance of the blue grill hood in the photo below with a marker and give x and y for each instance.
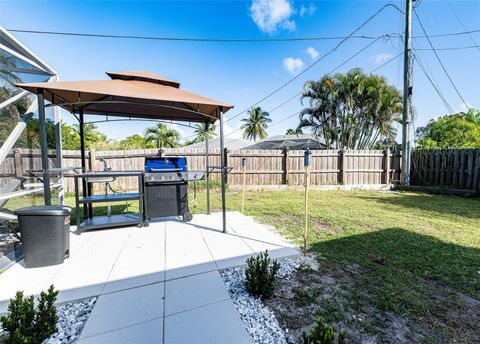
(166, 164)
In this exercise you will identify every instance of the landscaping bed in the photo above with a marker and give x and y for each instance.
(72, 317)
(392, 266)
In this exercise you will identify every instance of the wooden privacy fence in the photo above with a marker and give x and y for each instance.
(448, 168)
(264, 167)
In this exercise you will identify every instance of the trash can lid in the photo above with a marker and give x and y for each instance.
(45, 210)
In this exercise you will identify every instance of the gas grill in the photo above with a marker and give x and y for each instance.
(166, 187)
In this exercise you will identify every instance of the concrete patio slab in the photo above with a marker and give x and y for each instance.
(149, 332)
(195, 291)
(216, 323)
(125, 309)
(159, 284)
(186, 252)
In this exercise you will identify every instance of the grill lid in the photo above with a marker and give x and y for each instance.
(166, 164)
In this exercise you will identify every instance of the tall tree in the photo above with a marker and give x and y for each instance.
(162, 136)
(201, 131)
(291, 131)
(255, 124)
(460, 130)
(92, 135)
(352, 110)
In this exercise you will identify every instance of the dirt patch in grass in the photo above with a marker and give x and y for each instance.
(337, 293)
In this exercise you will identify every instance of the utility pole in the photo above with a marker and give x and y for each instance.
(407, 95)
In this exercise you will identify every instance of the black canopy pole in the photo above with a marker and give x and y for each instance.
(82, 158)
(207, 164)
(44, 149)
(223, 169)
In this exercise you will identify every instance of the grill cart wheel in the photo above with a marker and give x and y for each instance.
(187, 216)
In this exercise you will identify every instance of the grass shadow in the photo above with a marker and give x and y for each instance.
(433, 283)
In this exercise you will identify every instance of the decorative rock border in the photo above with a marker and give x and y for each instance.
(72, 317)
(260, 323)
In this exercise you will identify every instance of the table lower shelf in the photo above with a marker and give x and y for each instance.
(116, 220)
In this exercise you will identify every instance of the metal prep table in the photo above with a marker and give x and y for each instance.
(113, 220)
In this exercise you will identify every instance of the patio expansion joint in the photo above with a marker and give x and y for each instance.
(121, 328)
(198, 307)
(115, 262)
(164, 279)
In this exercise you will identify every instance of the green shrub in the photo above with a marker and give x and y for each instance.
(322, 333)
(260, 275)
(26, 325)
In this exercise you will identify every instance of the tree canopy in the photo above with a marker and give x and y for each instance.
(352, 110)
(460, 130)
(162, 136)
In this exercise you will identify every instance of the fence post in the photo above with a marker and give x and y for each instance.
(285, 166)
(387, 166)
(17, 161)
(92, 160)
(343, 157)
(227, 175)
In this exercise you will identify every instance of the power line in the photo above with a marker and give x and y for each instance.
(439, 60)
(318, 60)
(469, 32)
(461, 23)
(452, 48)
(222, 40)
(190, 39)
(333, 70)
(387, 62)
(447, 106)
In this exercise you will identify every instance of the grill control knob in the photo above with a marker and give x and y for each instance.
(162, 178)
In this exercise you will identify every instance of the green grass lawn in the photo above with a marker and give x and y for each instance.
(414, 255)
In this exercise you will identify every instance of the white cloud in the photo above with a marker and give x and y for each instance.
(232, 132)
(382, 57)
(270, 15)
(293, 65)
(312, 52)
(308, 10)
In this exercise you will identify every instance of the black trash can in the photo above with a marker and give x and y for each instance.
(45, 234)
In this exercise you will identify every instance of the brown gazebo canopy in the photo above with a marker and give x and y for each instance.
(130, 94)
(136, 94)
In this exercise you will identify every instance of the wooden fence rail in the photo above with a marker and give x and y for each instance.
(264, 167)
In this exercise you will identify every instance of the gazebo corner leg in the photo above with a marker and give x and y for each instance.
(223, 174)
(44, 150)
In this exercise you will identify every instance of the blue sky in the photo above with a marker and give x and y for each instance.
(242, 73)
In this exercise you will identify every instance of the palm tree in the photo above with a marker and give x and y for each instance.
(292, 131)
(255, 124)
(351, 110)
(162, 136)
(201, 131)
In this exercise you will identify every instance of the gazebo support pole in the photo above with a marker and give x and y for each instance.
(207, 174)
(223, 169)
(59, 157)
(82, 158)
(44, 150)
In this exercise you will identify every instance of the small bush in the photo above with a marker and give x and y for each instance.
(260, 275)
(26, 325)
(322, 333)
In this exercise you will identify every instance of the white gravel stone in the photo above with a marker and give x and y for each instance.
(71, 320)
(260, 323)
